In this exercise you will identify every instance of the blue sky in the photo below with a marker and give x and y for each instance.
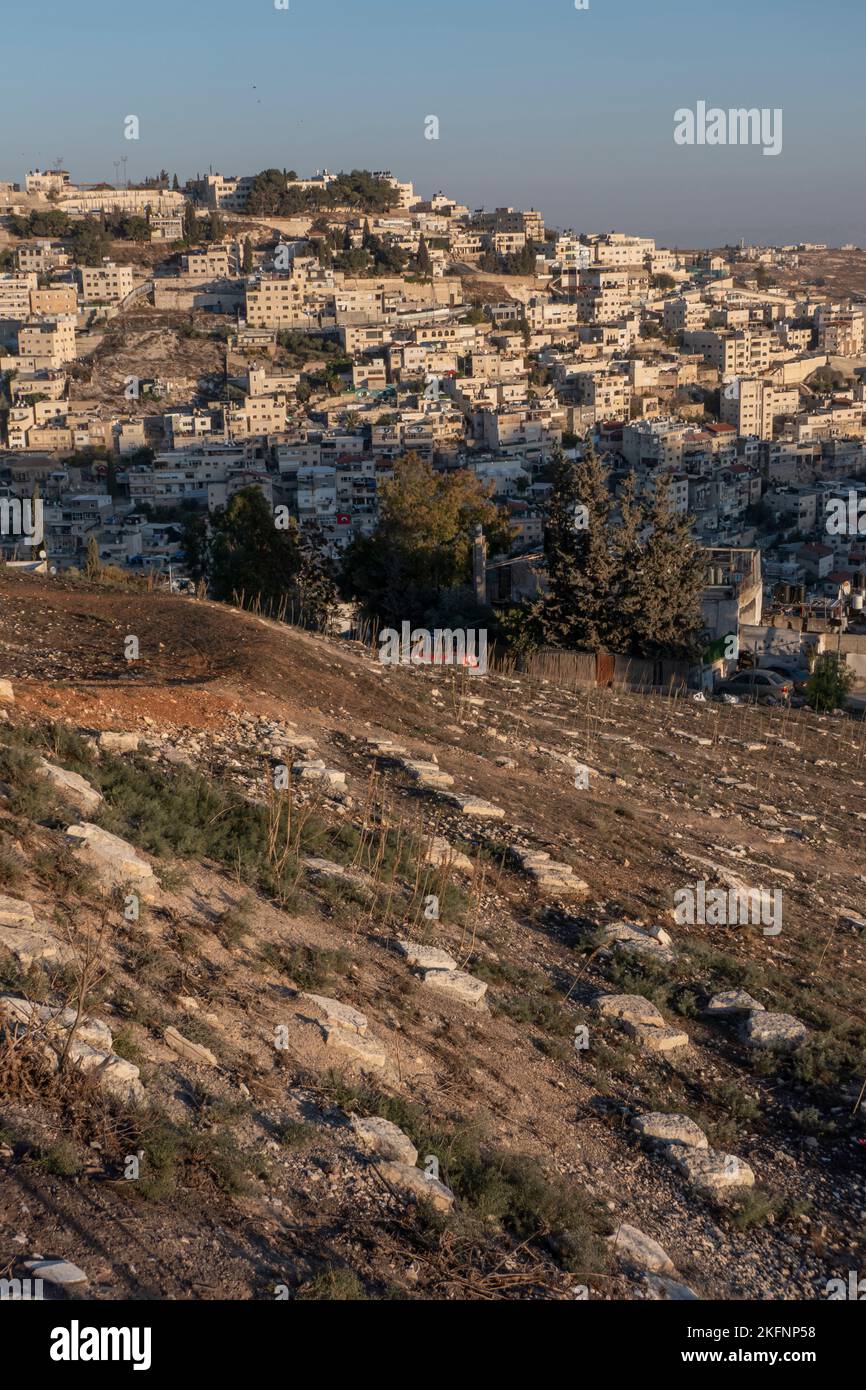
(539, 103)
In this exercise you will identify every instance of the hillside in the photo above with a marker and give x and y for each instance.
(732, 1141)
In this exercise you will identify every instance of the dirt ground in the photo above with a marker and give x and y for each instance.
(779, 794)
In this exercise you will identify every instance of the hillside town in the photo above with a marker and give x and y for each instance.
(163, 347)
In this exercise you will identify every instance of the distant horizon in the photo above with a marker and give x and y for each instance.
(136, 180)
(569, 111)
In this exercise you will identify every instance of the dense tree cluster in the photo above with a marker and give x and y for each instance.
(274, 193)
(240, 550)
(512, 263)
(624, 579)
(417, 564)
(375, 256)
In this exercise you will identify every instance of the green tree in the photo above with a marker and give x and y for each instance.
(190, 223)
(195, 546)
(419, 557)
(245, 552)
(316, 582)
(576, 610)
(830, 682)
(247, 262)
(425, 263)
(660, 583)
(92, 564)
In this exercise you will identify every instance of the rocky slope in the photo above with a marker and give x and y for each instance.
(322, 979)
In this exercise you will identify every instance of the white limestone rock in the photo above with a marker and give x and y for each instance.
(14, 912)
(629, 1008)
(636, 1248)
(115, 861)
(732, 1002)
(414, 1185)
(58, 1272)
(426, 957)
(777, 1032)
(711, 1172)
(457, 984)
(71, 787)
(379, 1136)
(30, 945)
(342, 1015)
(366, 1051)
(440, 852)
(670, 1129)
(111, 742)
(190, 1051)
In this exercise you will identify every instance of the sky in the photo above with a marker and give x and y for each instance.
(538, 103)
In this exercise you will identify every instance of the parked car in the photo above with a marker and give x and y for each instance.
(797, 675)
(760, 687)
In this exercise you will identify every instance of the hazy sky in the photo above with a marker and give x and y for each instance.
(539, 104)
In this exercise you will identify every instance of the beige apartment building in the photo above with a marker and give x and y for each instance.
(733, 353)
(602, 295)
(285, 301)
(47, 343)
(44, 256)
(45, 181)
(265, 414)
(106, 283)
(275, 303)
(503, 221)
(685, 314)
(747, 404)
(608, 393)
(231, 194)
(15, 292)
(617, 249)
(166, 226)
(841, 329)
(752, 405)
(507, 243)
(546, 314)
(213, 263)
(54, 299)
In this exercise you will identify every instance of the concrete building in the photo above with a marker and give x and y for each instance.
(106, 283)
(15, 292)
(732, 352)
(47, 343)
(841, 329)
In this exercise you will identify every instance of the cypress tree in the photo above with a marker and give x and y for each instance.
(576, 611)
(665, 592)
